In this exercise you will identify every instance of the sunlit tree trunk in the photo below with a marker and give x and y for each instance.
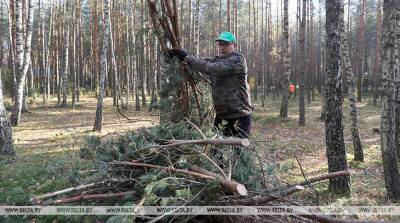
(22, 56)
(98, 124)
(358, 151)
(335, 146)
(390, 73)
(286, 59)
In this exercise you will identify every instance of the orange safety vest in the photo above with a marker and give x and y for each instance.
(291, 88)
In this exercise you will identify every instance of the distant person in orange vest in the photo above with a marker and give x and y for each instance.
(292, 88)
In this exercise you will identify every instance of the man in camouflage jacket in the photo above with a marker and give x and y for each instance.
(230, 90)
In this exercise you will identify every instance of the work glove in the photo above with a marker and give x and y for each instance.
(181, 54)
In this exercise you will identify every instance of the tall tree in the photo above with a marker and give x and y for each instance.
(302, 39)
(358, 151)
(360, 49)
(228, 15)
(390, 74)
(286, 59)
(23, 56)
(98, 124)
(378, 51)
(65, 72)
(335, 147)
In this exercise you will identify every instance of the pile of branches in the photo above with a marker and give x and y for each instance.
(175, 165)
(184, 92)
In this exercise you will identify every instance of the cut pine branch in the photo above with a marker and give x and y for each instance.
(263, 199)
(229, 185)
(89, 197)
(38, 199)
(322, 177)
(216, 142)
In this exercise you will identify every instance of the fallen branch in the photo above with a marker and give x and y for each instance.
(232, 186)
(89, 197)
(263, 199)
(322, 177)
(216, 142)
(37, 199)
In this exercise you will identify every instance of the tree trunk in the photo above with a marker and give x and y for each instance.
(6, 141)
(360, 49)
(196, 29)
(358, 151)
(390, 72)
(378, 51)
(142, 57)
(103, 66)
(335, 147)
(66, 68)
(302, 115)
(286, 59)
(74, 79)
(23, 57)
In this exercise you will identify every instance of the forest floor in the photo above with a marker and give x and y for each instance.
(49, 137)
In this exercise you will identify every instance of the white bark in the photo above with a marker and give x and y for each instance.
(103, 67)
(23, 57)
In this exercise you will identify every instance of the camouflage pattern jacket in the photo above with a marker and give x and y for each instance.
(228, 76)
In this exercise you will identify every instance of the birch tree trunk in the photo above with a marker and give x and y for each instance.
(65, 72)
(335, 147)
(390, 72)
(286, 59)
(12, 50)
(103, 68)
(358, 151)
(22, 56)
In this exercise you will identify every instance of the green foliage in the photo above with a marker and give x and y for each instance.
(7, 81)
(159, 187)
(179, 100)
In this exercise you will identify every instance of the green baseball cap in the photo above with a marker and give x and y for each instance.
(226, 37)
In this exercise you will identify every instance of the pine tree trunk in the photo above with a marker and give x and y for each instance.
(335, 147)
(23, 57)
(116, 88)
(302, 115)
(74, 78)
(228, 15)
(286, 59)
(360, 50)
(358, 151)
(98, 124)
(142, 57)
(378, 51)
(65, 68)
(390, 72)
(196, 28)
